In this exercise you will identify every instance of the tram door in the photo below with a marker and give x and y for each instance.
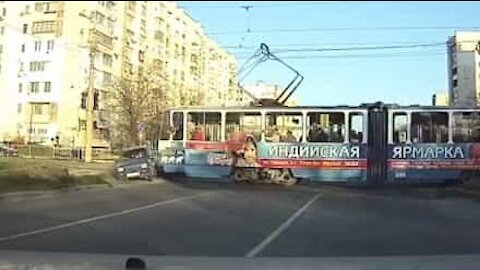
(377, 144)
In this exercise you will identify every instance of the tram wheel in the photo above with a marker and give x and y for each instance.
(239, 176)
(286, 178)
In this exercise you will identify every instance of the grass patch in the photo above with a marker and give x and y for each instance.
(17, 174)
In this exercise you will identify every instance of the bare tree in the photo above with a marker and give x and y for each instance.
(136, 105)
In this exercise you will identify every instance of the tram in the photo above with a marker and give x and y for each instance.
(367, 144)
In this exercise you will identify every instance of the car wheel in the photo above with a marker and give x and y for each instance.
(152, 174)
(122, 177)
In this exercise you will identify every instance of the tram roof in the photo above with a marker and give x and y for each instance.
(338, 107)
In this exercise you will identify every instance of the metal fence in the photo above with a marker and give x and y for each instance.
(38, 151)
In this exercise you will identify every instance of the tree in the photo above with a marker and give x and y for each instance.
(140, 100)
(135, 103)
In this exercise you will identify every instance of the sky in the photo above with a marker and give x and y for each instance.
(330, 44)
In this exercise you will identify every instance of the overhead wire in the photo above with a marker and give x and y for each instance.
(346, 29)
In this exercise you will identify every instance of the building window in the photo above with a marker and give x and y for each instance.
(34, 87)
(107, 77)
(2, 30)
(20, 86)
(37, 66)
(25, 28)
(159, 35)
(107, 60)
(23, 48)
(4, 12)
(37, 108)
(50, 44)
(46, 7)
(19, 108)
(131, 5)
(109, 4)
(99, 18)
(44, 27)
(38, 45)
(39, 6)
(47, 87)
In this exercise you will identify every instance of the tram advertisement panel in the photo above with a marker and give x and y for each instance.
(312, 155)
(279, 155)
(435, 156)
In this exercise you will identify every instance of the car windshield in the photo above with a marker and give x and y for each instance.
(135, 153)
(217, 129)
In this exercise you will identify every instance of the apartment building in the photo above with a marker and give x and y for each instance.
(46, 64)
(463, 56)
(440, 99)
(196, 67)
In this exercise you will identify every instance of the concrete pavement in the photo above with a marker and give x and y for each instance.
(206, 219)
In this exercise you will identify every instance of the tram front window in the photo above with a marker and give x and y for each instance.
(177, 126)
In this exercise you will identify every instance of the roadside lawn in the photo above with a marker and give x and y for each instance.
(19, 174)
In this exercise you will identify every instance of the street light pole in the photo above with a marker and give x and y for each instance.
(89, 104)
(90, 93)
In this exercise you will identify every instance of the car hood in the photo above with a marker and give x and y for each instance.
(59, 260)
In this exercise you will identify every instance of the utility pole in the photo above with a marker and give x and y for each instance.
(90, 95)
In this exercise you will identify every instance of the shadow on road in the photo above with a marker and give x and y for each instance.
(413, 191)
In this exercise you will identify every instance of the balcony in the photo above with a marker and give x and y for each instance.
(100, 38)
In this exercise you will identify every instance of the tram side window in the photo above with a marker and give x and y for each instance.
(429, 127)
(249, 123)
(326, 127)
(204, 126)
(356, 127)
(400, 128)
(466, 127)
(284, 127)
(177, 126)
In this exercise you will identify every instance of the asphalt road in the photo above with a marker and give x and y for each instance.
(206, 219)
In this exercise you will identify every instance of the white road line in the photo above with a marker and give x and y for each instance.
(257, 249)
(92, 219)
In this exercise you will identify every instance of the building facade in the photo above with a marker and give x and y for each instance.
(463, 56)
(49, 49)
(440, 99)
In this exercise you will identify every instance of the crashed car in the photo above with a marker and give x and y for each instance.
(136, 162)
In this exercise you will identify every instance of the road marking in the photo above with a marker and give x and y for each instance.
(257, 249)
(92, 219)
